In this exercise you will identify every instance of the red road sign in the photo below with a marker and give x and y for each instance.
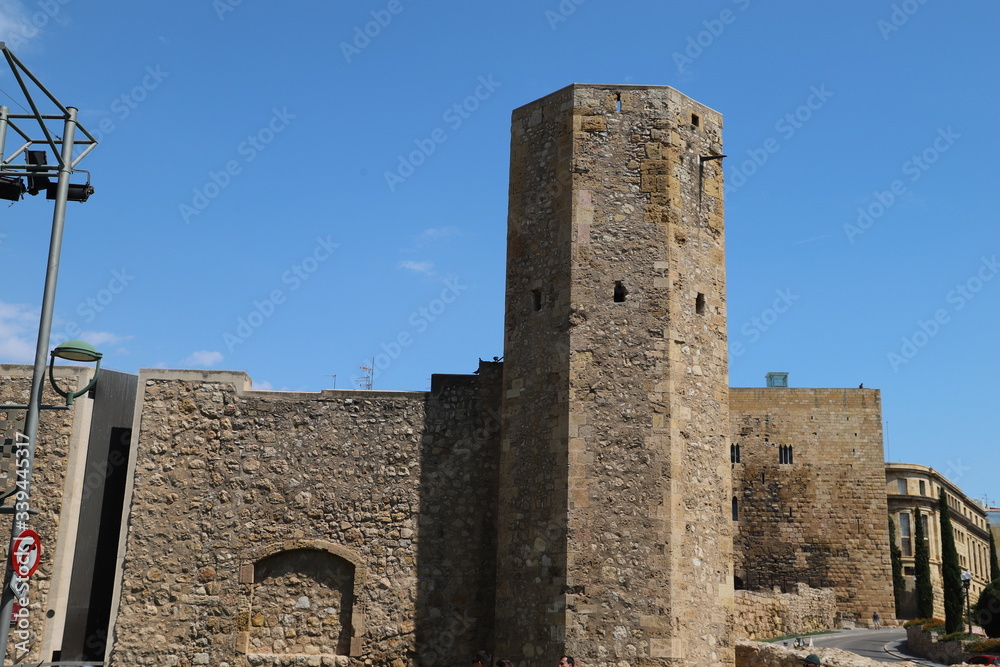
(26, 553)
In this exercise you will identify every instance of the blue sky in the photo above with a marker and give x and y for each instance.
(243, 217)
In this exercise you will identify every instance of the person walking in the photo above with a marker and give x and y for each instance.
(876, 620)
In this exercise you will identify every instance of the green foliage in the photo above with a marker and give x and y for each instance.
(988, 646)
(922, 566)
(933, 625)
(994, 564)
(918, 621)
(988, 609)
(956, 637)
(896, 556)
(951, 571)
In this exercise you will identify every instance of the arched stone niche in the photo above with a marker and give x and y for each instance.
(300, 597)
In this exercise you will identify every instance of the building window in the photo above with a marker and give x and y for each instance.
(923, 489)
(905, 543)
(736, 509)
(901, 486)
(734, 453)
(785, 454)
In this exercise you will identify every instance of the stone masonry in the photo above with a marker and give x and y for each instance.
(767, 614)
(615, 541)
(580, 497)
(815, 513)
(275, 528)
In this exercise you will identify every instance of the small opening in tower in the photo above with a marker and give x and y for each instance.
(620, 292)
(618, 102)
(695, 120)
(699, 304)
(536, 299)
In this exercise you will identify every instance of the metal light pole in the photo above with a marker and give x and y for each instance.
(966, 581)
(15, 583)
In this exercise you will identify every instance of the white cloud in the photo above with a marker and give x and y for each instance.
(263, 385)
(14, 24)
(203, 358)
(18, 329)
(103, 338)
(435, 233)
(426, 268)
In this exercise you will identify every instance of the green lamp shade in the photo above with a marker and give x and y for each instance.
(77, 350)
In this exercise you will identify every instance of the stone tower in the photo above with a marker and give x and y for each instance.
(615, 530)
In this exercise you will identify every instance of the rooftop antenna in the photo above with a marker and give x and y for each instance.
(334, 376)
(369, 375)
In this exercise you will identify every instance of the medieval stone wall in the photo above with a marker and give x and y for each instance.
(815, 513)
(277, 528)
(615, 536)
(57, 451)
(768, 614)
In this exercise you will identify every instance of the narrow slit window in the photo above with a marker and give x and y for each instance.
(736, 509)
(536, 299)
(695, 120)
(620, 292)
(699, 304)
(618, 102)
(734, 453)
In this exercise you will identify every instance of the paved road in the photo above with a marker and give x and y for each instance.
(871, 644)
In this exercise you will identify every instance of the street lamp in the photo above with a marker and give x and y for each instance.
(966, 580)
(74, 350)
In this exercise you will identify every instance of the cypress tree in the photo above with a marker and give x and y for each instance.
(951, 572)
(896, 557)
(922, 569)
(994, 564)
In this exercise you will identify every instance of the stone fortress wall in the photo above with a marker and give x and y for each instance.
(288, 528)
(816, 513)
(575, 498)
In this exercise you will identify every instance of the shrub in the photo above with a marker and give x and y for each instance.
(918, 621)
(988, 609)
(957, 637)
(934, 625)
(984, 646)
